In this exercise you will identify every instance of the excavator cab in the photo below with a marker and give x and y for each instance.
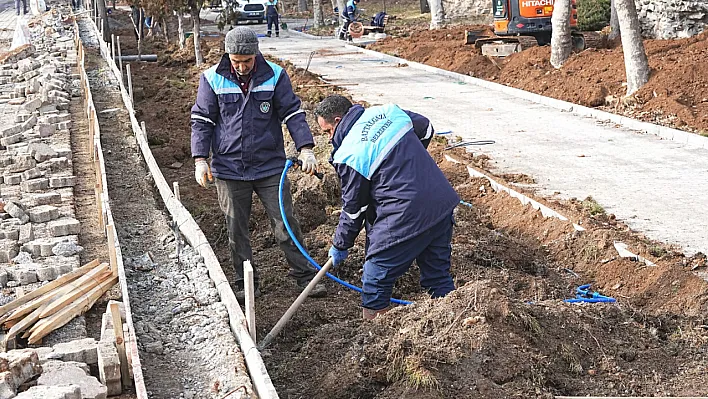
(519, 24)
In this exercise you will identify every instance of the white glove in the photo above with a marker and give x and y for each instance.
(309, 162)
(202, 172)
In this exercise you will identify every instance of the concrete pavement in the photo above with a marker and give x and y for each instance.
(655, 186)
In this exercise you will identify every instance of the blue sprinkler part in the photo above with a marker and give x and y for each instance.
(583, 294)
(288, 165)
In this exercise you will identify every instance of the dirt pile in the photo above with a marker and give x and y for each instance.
(674, 96)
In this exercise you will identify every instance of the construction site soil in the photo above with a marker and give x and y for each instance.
(675, 95)
(505, 332)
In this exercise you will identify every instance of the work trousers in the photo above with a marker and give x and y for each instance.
(431, 250)
(272, 19)
(235, 200)
(24, 6)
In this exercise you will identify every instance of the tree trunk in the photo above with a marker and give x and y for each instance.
(561, 41)
(317, 7)
(614, 22)
(342, 6)
(436, 14)
(197, 45)
(164, 26)
(180, 30)
(635, 57)
(103, 15)
(302, 5)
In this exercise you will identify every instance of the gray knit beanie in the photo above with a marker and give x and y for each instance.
(241, 40)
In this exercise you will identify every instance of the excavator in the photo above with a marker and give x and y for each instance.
(520, 24)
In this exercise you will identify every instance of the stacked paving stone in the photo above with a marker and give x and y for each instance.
(61, 372)
(38, 231)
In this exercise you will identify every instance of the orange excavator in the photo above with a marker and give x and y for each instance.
(519, 24)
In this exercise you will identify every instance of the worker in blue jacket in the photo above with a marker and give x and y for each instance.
(272, 17)
(241, 105)
(349, 15)
(391, 183)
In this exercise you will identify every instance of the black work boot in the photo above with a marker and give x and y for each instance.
(277, 34)
(268, 34)
(240, 292)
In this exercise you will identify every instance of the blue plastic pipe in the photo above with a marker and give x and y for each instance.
(288, 165)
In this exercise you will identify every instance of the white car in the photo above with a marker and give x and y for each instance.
(253, 10)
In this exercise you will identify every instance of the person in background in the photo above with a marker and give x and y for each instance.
(272, 17)
(24, 7)
(349, 15)
(237, 119)
(391, 183)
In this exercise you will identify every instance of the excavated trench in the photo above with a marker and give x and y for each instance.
(186, 347)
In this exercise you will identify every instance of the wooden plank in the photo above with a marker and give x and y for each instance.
(111, 232)
(120, 344)
(76, 308)
(25, 323)
(48, 287)
(73, 293)
(250, 299)
(52, 295)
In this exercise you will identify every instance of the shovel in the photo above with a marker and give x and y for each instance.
(293, 308)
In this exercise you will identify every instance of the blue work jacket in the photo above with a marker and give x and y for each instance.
(388, 177)
(243, 133)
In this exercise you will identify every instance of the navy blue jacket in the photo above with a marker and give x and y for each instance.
(271, 7)
(399, 195)
(244, 133)
(350, 12)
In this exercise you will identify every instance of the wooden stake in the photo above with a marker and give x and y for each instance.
(120, 60)
(130, 84)
(144, 129)
(120, 344)
(175, 186)
(99, 205)
(111, 231)
(293, 308)
(48, 287)
(113, 47)
(76, 308)
(250, 298)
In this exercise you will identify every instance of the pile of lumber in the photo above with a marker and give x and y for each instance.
(51, 306)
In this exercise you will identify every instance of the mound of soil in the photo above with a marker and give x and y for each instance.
(674, 96)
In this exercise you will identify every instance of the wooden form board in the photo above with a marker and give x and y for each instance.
(190, 229)
(102, 200)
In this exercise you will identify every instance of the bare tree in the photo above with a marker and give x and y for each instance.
(436, 14)
(317, 7)
(561, 41)
(180, 30)
(614, 22)
(635, 57)
(302, 5)
(195, 7)
(342, 6)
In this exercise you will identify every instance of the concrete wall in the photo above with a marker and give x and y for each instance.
(665, 19)
(661, 19)
(475, 11)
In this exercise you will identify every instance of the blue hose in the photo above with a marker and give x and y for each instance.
(288, 164)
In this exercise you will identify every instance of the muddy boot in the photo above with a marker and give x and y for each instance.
(277, 34)
(268, 34)
(370, 314)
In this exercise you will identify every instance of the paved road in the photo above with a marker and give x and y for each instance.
(8, 20)
(656, 186)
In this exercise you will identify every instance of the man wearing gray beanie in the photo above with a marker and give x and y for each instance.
(237, 119)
